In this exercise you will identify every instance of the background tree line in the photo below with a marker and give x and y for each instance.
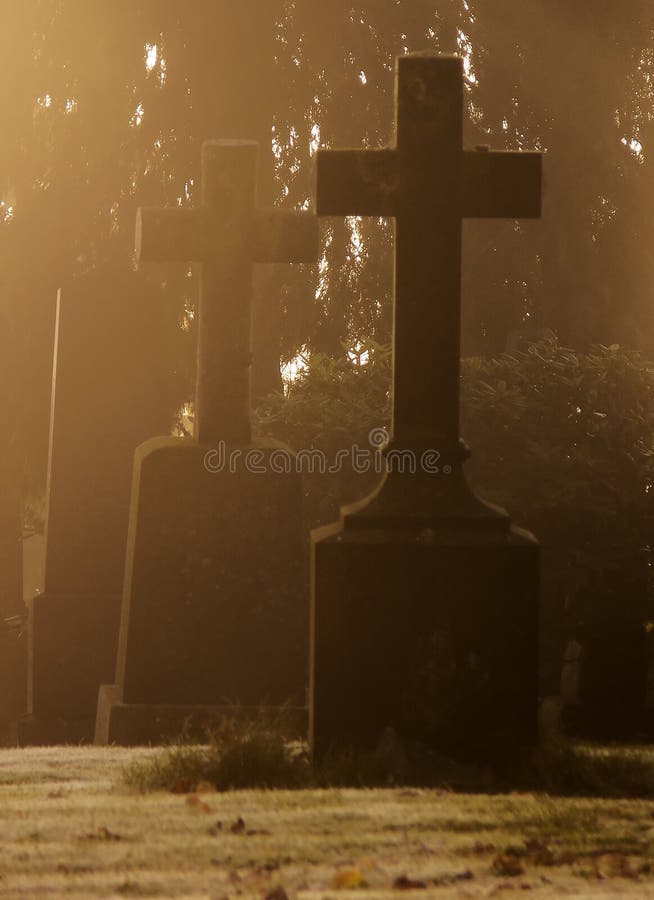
(104, 106)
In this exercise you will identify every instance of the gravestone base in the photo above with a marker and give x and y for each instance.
(72, 649)
(215, 610)
(429, 629)
(140, 725)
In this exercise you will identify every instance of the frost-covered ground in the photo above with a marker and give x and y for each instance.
(69, 827)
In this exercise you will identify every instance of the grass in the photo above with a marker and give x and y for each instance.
(258, 755)
(71, 827)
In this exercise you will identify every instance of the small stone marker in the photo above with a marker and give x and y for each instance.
(215, 612)
(107, 399)
(425, 599)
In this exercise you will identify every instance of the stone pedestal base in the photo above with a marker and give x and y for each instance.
(432, 632)
(72, 649)
(137, 725)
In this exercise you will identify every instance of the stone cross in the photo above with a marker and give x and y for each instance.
(215, 235)
(424, 605)
(428, 183)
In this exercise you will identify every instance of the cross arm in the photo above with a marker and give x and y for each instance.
(502, 185)
(357, 183)
(284, 236)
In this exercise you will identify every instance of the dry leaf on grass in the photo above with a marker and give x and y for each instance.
(481, 849)
(277, 894)
(404, 883)
(102, 833)
(614, 865)
(182, 786)
(348, 879)
(508, 866)
(198, 804)
(539, 853)
(450, 880)
(239, 827)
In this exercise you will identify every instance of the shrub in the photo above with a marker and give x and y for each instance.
(563, 439)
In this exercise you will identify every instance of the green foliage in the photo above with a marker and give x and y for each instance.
(244, 754)
(556, 430)
(238, 754)
(564, 440)
(333, 405)
(561, 767)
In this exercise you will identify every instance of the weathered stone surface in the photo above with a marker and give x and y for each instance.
(431, 635)
(106, 399)
(214, 606)
(424, 599)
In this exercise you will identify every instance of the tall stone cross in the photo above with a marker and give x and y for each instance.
(228, 234)
(428, 183)
(424, 605)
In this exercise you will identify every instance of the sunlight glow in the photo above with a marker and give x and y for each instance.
(465, 47)
(315, 139)
(6, 213)
(358, 355)
(354, 223)
(635, 146)
(151, 56)
(292, 370)
(137, 118)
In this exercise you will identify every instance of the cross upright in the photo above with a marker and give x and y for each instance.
(429, 184)
(227, 234)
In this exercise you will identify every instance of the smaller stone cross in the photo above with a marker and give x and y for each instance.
(227, 234)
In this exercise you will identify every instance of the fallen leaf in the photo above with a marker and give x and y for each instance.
(238, 827)
(101, 833)
(182, 786)
(539, 853)
(198, 804)
(348, 879)
(508, 866)
(449, 880)
(278, 894)
(480, 849)
(614, 865)
(404, 883)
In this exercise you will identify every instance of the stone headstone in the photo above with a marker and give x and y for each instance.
(107, 398)
(215, 612)
(610, 616)
(425, 598)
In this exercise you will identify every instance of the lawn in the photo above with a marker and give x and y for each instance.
(70, 827)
